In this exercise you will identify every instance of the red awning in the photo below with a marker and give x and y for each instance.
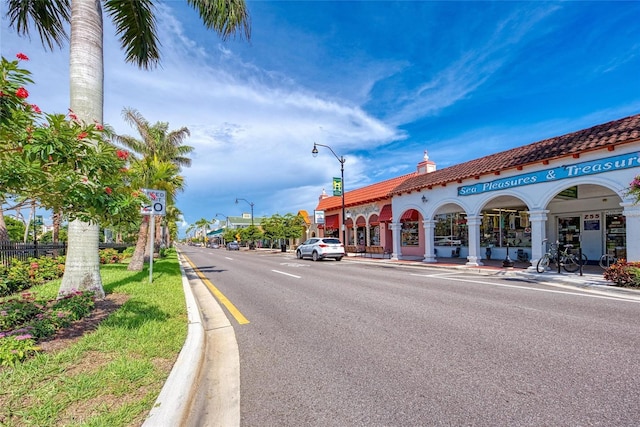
(373, 220)
(385, 214)
(410, 215)
(331, 221)
(348, 223)
(361, 222)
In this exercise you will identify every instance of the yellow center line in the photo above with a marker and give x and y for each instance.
(220, 296)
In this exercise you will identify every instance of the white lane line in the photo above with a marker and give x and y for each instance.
(502, 285)
(436, 274)
(231, 259)
(286, 274)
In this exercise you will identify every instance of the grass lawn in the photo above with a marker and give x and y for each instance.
(112, 375)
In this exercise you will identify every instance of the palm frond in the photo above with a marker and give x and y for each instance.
(136, 27)
(226, 17)
(48, 17)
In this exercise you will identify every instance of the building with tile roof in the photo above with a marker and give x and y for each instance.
(367, 212)
(571, 189)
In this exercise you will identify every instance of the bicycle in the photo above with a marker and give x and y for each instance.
(607, 260)
(567, 260)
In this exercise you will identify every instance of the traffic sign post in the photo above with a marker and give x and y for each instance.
(156, 206)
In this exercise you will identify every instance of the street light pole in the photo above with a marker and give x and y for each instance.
(226, 218)
(250, 204)
(341, 159)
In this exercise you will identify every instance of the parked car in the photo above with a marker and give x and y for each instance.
(233, 246)
(321, 247)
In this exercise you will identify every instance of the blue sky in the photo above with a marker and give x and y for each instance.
(378, 81)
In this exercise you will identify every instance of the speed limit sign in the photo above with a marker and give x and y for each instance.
(157, 202)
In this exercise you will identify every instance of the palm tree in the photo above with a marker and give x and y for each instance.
(135, 25)
(158, 156)
(159, 176)
(202, 224)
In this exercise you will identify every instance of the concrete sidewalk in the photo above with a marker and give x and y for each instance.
(590, 279)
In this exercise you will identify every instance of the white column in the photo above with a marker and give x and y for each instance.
(429, 230)
(396, 229)
(473, 228)
(632, 219)
(538, 221)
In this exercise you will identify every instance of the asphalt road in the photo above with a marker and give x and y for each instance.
(348, 344)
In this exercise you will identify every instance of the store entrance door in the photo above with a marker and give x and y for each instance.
(591, 236)
(569, 231)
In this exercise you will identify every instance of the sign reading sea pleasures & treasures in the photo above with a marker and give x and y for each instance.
(608, 164)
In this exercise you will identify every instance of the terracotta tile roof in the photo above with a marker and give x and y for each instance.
(606, 135)
(370, 193)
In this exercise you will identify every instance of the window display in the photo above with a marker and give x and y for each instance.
(410, 233)
(500, 227)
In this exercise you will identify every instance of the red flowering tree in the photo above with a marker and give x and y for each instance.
(65, 164)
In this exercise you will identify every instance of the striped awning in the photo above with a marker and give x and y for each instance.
(331, 221)
(386, 214)
(410, 215)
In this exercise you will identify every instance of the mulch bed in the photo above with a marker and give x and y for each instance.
(67, 336)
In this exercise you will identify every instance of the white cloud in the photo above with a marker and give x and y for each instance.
(252, 130)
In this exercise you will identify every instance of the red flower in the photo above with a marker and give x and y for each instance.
(82, 135)
(108, 190)
(22, 57)
(122, 154)
(22, 93)
(35, 108)
(99, 127)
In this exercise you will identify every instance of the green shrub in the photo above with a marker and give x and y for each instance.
(25, 274)
(17, 311)
(16, 349)
(109, 256)
(128, 251)
(623, 273)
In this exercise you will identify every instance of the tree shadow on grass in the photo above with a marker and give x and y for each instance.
(134, 314)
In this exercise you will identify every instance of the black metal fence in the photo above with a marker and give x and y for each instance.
(24, 251)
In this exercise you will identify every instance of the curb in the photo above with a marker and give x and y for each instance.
(172, 405)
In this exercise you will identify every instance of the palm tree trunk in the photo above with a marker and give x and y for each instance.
(55, 233)
(82, 268)
(4, 233)
(137, 260)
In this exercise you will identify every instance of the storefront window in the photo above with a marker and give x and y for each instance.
(616, 238)
(331, 232)
(360, 231)
(451, 230)
(500, 227)
(374, 235)
(410, 234)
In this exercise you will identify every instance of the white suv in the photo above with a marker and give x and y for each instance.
(321, 247)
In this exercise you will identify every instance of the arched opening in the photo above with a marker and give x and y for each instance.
(589, 218)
